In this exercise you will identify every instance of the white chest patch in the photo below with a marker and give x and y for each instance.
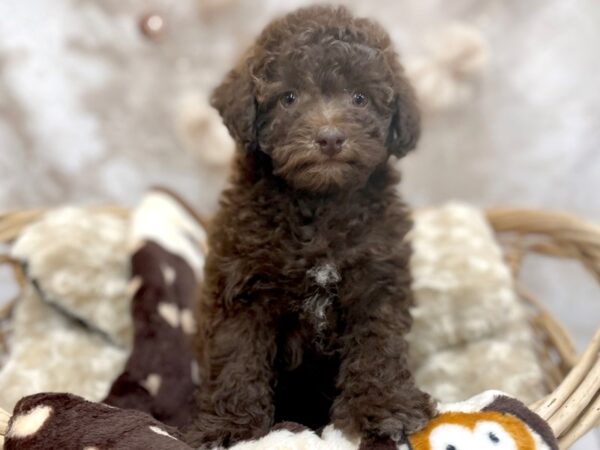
(325, 275)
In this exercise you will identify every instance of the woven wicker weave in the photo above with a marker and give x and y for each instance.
(572, 407)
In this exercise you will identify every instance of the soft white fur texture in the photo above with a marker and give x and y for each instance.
(162, 219)
(80, 262)
(470, 331)
(330, 439)
(80, 265)
(52, 353)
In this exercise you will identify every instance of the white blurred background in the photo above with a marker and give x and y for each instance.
(100, 99)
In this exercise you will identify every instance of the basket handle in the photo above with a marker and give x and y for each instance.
(573, 408)
(568, 235)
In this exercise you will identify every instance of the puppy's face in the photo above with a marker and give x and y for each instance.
(323, 95)
(325, 114)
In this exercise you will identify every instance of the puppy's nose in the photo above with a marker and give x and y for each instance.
(330, 140)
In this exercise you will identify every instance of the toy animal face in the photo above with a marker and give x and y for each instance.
(474, 431)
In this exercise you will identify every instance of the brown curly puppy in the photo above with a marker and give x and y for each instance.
(306, 296)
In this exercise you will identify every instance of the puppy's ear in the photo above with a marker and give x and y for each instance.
(405, 126)
(234, 99)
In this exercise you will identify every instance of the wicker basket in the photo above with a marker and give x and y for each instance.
(572, 407)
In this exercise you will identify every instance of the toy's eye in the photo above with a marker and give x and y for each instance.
(359, 99)
(288, 98)
(495, 439)
(450, 447)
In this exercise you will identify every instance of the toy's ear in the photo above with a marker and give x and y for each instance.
(235, 100)
(405, 126)
(509, 405)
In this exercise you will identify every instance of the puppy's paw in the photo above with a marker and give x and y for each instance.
(417, 413)
(210, 447)
(224, 436)
(206, 440)
(378, 443)
(415, 423)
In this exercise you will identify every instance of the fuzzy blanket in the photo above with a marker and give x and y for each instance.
(107, 313)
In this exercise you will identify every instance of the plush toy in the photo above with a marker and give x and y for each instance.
(490, 421)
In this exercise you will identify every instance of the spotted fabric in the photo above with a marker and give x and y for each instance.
(64, 421)
(159, 375)
(69, 422)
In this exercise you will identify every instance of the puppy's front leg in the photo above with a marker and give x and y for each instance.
(235, 397)
(378, 396)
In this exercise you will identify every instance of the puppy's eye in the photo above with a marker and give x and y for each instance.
(288, 98)
(359, 99)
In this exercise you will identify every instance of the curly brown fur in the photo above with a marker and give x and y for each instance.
(305, 302)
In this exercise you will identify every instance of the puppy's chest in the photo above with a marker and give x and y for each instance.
(318, 261)
(315, 282)
(310, 260)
